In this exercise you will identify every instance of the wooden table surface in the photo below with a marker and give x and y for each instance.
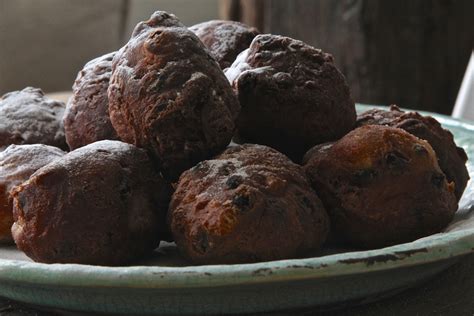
(449, 293)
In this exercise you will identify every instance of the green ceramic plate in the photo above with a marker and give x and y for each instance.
(165, 285)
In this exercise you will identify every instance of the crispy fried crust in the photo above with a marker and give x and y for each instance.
(169, 96)
(292, 95)
(17, 164)
(381, 186)
(87, 113)
(249, 204)
(28, 117)
(101, 204)
(225, 39)
(451, 159)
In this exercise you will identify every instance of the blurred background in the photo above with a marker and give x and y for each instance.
(410, 52)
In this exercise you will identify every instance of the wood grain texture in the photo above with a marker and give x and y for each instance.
(250, 12)
(229, 10)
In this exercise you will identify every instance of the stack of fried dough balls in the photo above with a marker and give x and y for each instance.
(149, 129)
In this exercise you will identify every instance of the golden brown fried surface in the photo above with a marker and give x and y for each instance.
(101, 204)
(168, 95)
(86, 119)
(451, 159)
(17, 164)
(249, 204)
(381, 186)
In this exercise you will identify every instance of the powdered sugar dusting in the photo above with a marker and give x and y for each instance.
(226, 39)
(238, 66)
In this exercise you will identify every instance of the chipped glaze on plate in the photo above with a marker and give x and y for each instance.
(164, 284)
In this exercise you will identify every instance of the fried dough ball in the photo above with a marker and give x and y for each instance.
(29, 117)
(17, 164)
(168, 95)
(292, 96)
(101, 204)
(381, 186)
(451, 159)
(249, 204)
(225, 39)
(86, 119)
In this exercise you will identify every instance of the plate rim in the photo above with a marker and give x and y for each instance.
(153, 277)
(433, 248)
